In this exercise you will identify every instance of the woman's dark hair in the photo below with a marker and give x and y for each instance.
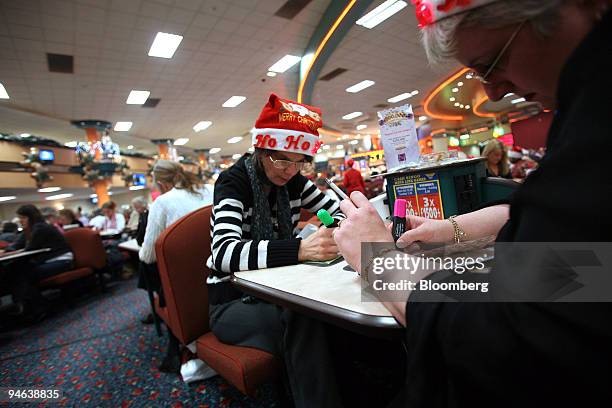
(31, 213)
(68, 214)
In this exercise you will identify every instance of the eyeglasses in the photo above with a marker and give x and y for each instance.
(285, 164)
(484, 78)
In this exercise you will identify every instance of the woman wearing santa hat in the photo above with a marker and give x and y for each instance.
(516, 353)
(257, 204)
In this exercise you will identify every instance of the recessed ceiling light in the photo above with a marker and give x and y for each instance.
(353, 142)
(123, 126)
(469, 76)
(25, 135)
(284, 63)
(360, 86)
(59, 196)
(3, 93)
(508, 94)
(74, 143)
(164, 45)
(339, 147)
(381, 13)
(234, 139)
(137, 97)
(467, 106)
(464, 137)
(93, 196)
(49, 189)
(352, 115)
(271, 74)
(110, 193)
(422, 118)
(134, 188)
(345, 137)
(415, 92)
(215, 150)
(452, 99)
(461, 105)
(234, 101)
(460, 83)
(518, 100)
(7, 198)
(361, 127)
(326, 147)
(130, 147)
(456, 103)
(181, 141)
(236, 156)
(202, 125)
(400, 97)
(455, 89)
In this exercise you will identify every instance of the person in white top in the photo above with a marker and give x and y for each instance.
(182, 193)
(113, 220)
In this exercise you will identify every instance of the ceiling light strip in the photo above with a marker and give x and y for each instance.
(480, 113)
(331, 31)
(436, 91)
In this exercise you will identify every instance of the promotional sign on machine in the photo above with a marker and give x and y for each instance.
(422, 194)
(398, 137)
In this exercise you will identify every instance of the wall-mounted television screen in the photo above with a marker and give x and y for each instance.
(139, 179)
(46, 155)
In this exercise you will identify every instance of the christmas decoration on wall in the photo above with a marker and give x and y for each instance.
(32, 161)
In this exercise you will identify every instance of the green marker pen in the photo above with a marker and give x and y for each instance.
(327, 219)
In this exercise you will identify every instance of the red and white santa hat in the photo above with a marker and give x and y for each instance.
(288, 126)
(429, 12)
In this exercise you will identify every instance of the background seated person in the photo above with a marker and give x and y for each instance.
(9, 231)
(352, 179)
(497, 159)
(67, 217)
(254, 225)
(113, 220)
(50, 215)
(139, 206)
(24, 274)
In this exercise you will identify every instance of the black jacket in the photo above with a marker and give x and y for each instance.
(534, 354)
(43, 236)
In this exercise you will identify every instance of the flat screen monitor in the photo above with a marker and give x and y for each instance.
(139, 179)
(46, 155)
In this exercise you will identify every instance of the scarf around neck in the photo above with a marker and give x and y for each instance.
(261, 221)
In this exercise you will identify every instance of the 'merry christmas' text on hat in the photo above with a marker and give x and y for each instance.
(288, 126)
(431, 11)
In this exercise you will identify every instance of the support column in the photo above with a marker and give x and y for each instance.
(94, 129)
(165, 148)
(203, 158)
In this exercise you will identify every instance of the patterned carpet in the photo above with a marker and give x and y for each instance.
(99, 354)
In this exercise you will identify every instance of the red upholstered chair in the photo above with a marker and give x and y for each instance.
(182, 251)
(89, 257)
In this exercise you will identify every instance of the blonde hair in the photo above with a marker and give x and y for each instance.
(167, 171)
(491, 147)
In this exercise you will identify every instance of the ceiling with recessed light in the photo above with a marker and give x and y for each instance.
(229, 49)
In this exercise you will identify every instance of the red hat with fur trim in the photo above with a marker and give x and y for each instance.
(288, 126)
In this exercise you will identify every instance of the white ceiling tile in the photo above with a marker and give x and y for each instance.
(154, 10)
(192, 5)
(63, 8)
(59, 36)
(127, 6)
(180, 16)
(25, 32)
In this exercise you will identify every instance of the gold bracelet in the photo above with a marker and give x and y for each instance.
(458, 233)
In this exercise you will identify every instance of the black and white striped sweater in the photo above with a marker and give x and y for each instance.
(233, 248)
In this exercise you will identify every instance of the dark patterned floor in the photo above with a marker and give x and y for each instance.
(99, 354)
